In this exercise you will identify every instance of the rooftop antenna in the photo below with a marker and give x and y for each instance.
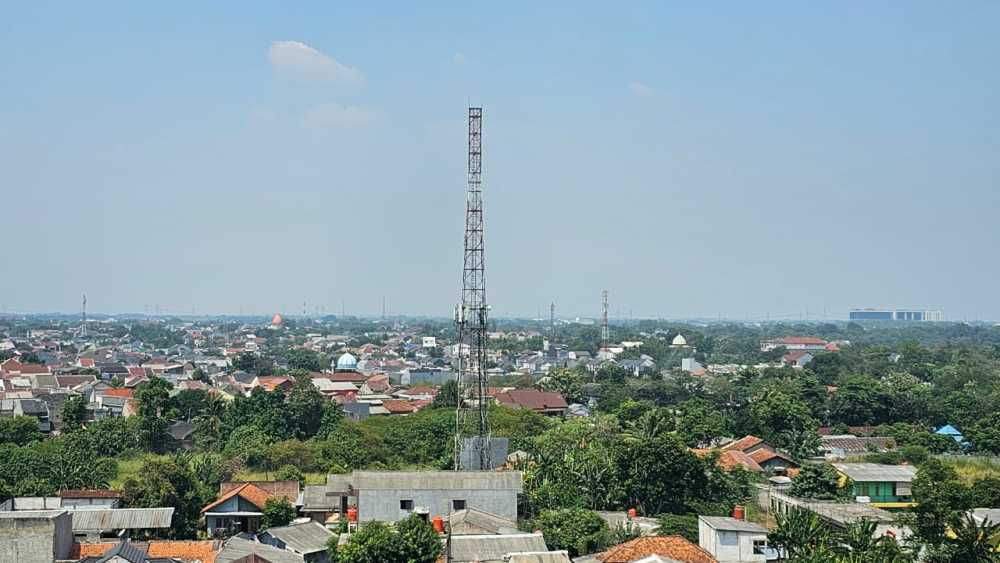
(83, 318)
(471, 314)
(605, 333)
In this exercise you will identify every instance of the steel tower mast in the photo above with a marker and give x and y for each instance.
(471, 314)
(605, 333)
(83, 317)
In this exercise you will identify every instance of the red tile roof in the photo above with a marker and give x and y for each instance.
(396, 406)
(248, 491)
(89, 493)
(532, 399)
(801, 340)
(731, 459)
(187, 551)
(743, 444)
(672, 547)
(113, 392)
(764, 455)
(288, 490)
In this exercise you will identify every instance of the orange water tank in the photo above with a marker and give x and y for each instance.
(438, 524)
(631, 513)
(352, 514)
(738, 512)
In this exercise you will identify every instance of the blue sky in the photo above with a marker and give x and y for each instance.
(694, 160)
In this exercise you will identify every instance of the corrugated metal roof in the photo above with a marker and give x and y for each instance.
(488, 548)
(304, 538)
(437, 480)
(540, 557)
(110, 519)
(237, 547)
(472, 522)
(876, 472)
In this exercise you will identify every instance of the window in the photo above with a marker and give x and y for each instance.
(728, 538)
(406, 505)
(458, 504)
(758, 546)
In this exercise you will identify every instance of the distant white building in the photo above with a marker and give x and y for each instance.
(429, 342)
(732, 540)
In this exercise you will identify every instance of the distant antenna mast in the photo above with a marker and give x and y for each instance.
(471, 313)
(552, 323)
(83, 317)
(605, 333)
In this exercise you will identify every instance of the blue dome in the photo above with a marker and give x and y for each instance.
(347, 362)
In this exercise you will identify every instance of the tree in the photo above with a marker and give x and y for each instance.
(333, 414)
(152, 396)
(818, 481)
(859, 542)
(566, 382)
(662, 475)
(305, 407)
(74, 412)
(799, 532)
(164, 483)
(985, 434)
(290, 473)
(413, 541)
(939, 494)
(420, 541)
(577, 530)
(249, 443)
(19, 430)
(447, 396)
(968, 541)
(684, 525)
(699, 422)
(277, 512)
(785, 422)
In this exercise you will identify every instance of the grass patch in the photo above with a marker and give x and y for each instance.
(972, 469)
(258, 475)
(130, 467)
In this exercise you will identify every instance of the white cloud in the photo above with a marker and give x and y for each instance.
(334, 115)
(298, 60)
(640, 89)
(458, 59)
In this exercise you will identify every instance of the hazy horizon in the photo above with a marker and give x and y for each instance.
(696, 161)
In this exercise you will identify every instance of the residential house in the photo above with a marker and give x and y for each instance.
(241, 550)
(240, 506)
(671, 548)
(543, 402)
(307, 539)
(35, 536)
(90, 498)
(797, 358)
(734, 540)
(390, 496)
(882, 486)
(841, 446)
(768, 457)
(492, 548)
(794, 343)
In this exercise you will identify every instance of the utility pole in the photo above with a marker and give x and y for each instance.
(471, 314)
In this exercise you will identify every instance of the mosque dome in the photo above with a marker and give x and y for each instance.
(679, 340)
(347, 362)
(277, 320)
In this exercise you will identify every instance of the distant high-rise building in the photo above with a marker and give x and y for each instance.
(872, 314)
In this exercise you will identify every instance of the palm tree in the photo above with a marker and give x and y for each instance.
(859, 542)
(970, 542)
(799, 533)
